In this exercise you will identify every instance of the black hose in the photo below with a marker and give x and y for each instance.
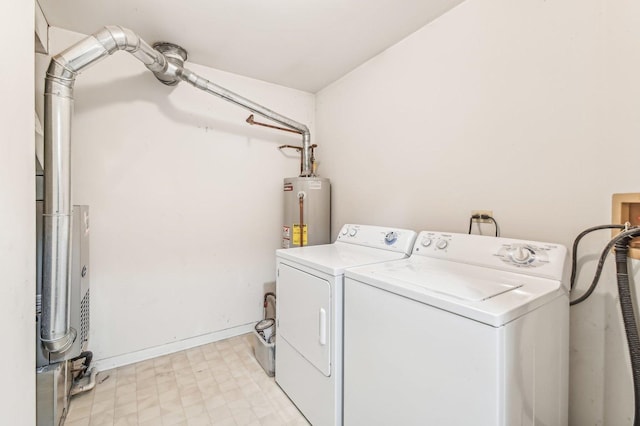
(621, 244)
(634, 232)
(629, 319)
(574, 255)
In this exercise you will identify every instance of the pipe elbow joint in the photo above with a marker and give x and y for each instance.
(61, 344)
(108, 38)
(59, 78)
(115, 38)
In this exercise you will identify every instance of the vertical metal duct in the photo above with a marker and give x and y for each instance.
(166, 62)
(56, 334)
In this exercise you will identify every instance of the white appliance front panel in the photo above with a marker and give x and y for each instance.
(406, 363)
(305, 314)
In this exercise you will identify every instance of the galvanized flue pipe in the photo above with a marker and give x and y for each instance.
(166, 62)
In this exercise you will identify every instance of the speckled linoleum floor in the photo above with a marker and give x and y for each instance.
(219, 383)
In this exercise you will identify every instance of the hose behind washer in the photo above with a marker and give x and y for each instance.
(629, 319)
(621, 245)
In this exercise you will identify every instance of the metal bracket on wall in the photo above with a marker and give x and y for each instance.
(252, 121)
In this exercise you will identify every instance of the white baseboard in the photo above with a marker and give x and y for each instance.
(169, 348)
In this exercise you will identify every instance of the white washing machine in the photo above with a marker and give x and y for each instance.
(309, 286)
(469, 330)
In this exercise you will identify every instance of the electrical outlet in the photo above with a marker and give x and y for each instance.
(481, 212)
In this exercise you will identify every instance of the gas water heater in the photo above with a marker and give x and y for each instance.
(307, 207)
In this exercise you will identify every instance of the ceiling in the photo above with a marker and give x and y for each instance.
(303, 44)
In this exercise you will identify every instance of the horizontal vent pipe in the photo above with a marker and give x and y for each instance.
(212, 88)
(166, 62)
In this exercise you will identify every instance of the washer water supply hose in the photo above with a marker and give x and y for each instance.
(621, 245)
(603, 256)
(629, 318)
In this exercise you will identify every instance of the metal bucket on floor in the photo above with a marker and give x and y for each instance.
(265, 353)
(264, 338)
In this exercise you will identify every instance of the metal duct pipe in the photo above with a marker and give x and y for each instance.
(209, 87)
(56, 334)
(166, 62)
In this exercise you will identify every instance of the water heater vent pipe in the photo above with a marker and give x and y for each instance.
(166, 61)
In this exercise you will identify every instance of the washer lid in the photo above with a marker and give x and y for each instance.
(491, 296)
(462, 287)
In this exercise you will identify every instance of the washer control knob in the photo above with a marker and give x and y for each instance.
(442, 244)
(353, 232)
(522, 254)
(426, 242)
(345, 230)
(391, 237)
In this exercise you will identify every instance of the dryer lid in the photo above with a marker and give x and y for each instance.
(333, 259)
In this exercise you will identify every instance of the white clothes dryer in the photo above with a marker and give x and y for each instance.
(469, 330)
(309, 287)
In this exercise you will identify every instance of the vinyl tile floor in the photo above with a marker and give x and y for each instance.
(219, 383)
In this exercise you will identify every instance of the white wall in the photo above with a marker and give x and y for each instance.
(622, 97)
(17, 208)
(185, 199)
(506, 106)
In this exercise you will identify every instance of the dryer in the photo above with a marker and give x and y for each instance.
(468, 330)
(309, 287)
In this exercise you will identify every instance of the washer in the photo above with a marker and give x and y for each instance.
(309, 325)
(468, 330)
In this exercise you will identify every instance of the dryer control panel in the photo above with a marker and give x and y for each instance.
(399, 240)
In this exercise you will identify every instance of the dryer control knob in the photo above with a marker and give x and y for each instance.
(391, 237)
(353, 232)
(426, 242)
(522, 254)
(442, 244)
(345, 230)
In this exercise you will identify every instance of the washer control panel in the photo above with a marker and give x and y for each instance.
(522, 256)
(401, 240)
(433, 241)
